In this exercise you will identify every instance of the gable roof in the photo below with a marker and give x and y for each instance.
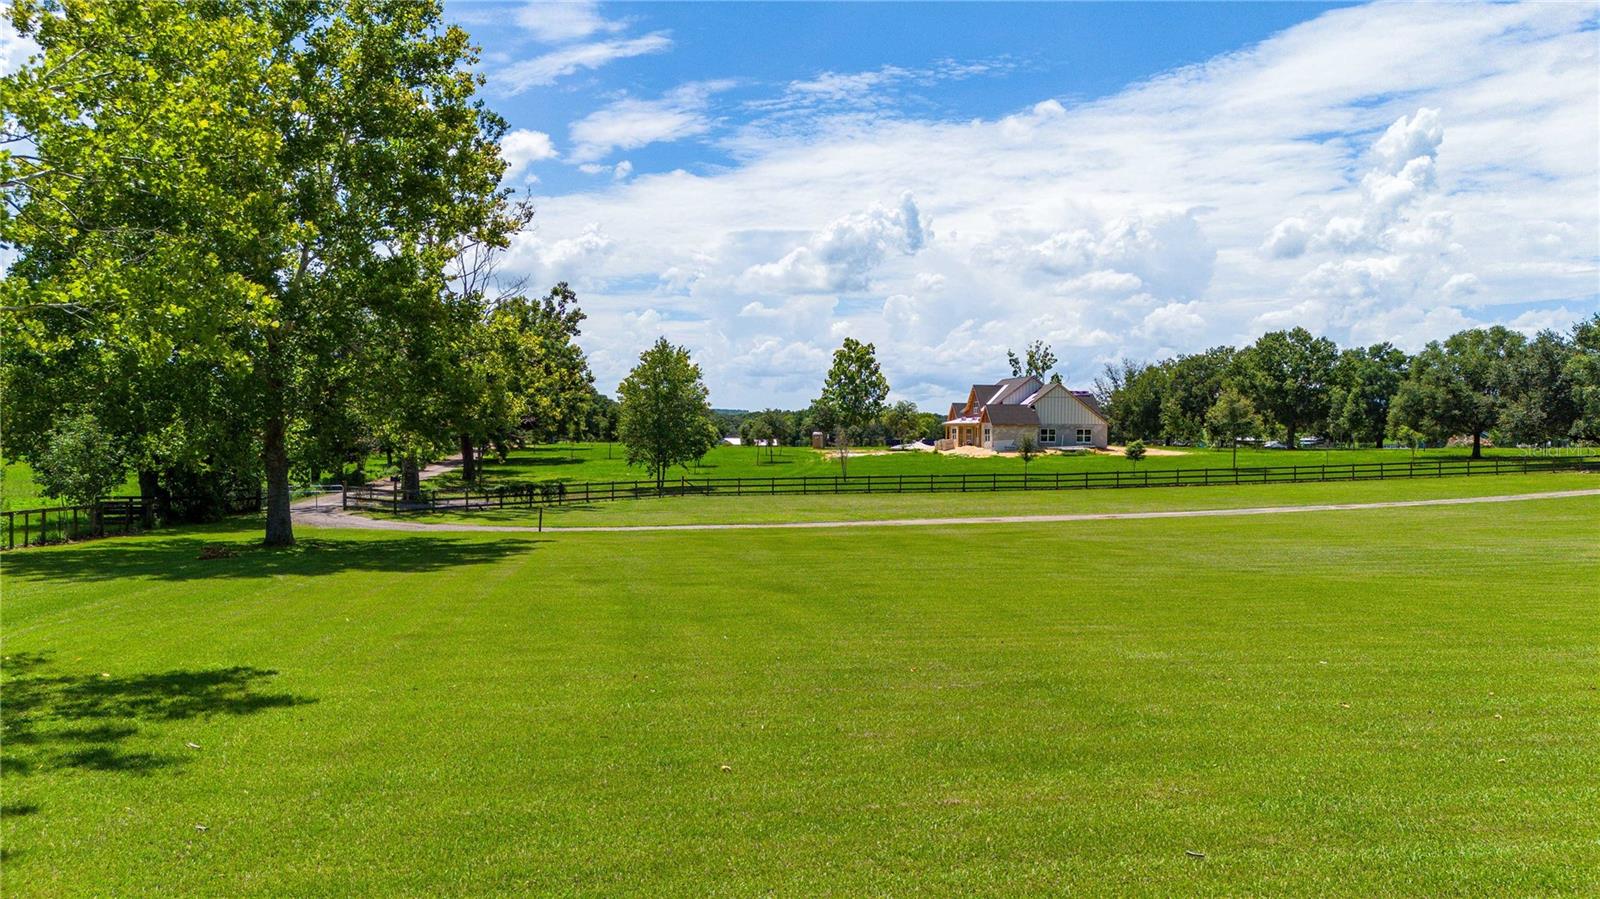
(1012, 389)
(1093, 404)
(1010, 414)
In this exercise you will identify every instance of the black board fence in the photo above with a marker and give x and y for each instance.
(391, 499)
(118, 516)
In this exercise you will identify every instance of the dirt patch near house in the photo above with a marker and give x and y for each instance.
(975, 451)
(1148, 451)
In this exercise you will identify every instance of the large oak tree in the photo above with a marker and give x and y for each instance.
(263, 189)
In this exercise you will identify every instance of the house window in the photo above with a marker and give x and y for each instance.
(1085, 435)
(1047, 435)
(988, 434)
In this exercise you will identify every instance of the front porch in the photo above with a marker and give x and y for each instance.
(962, 433)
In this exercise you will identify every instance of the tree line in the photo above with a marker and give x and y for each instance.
(1479, 382)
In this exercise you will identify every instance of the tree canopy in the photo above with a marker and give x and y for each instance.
(854, 393)
(665, 419)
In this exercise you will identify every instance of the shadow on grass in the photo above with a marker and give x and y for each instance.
(177, 558)
(89, 722)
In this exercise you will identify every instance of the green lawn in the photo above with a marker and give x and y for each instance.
(606, 462)
(1363, 703)
(18, 489)
(827, 507)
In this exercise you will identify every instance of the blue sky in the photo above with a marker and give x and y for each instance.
(995, 58)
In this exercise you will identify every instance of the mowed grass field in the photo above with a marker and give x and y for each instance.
(607, 462)
(1366, 702)
(757, 509)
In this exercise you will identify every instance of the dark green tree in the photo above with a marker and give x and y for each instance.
(1287, 375)
(1460, 386)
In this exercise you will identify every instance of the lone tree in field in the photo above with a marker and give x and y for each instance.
(1230, 418)
(854, 392)
(665, 418)
(1134, 452)
(1027, 451)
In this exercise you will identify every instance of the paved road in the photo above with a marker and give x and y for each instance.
(337, 519)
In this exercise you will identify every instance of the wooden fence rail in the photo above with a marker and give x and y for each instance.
(394, 500)
(59, 524)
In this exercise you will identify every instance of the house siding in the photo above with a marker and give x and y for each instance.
(1059, 409)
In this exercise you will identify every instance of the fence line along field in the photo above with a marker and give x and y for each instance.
(1351, 703)
(607, 462)
(548, 493)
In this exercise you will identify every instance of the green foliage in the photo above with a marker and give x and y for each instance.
(1131, 394)
(903, 422)
(1365, 380)
(79, 462)
(1230, 418)
(1582, 370)
(1134, 451)
(1027, 450)
(665, 419)
(266, 192)
(1192, 386)
(1037, 361)
(1287, 375)
(854, 392)
(1460, 386)
(1540, 403)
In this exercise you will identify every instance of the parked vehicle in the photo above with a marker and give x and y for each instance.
(1274, 444)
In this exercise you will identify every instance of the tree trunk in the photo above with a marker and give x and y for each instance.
(469, 464)
(149, 488)
(1378, 444)
(1477, 444)
(410, 480)
(275, 459)
(1291, 443)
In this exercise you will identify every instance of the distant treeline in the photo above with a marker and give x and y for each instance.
(1480, 382)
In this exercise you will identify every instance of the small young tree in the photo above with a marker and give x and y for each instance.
(1230, 418)
(79, 462)
(1027, 451)
(1410, 437)
(1135, 452)
(665, 419)
(854, 392)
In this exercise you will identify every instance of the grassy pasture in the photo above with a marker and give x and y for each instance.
(607, 462)
(1372, 702)
(847, 507)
